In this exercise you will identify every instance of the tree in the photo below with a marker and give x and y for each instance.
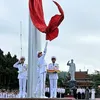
(96, 82)
(8, 74)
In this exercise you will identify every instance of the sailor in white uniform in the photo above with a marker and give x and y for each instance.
(93, 94)
(42, 70)
(53, 77)
(22, 76)
(0, 94)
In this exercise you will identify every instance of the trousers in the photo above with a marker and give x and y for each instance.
(41, 84)
(93, 96)
(53, 88)
(22, 87)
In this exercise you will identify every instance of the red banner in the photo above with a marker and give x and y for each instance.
(37, 17)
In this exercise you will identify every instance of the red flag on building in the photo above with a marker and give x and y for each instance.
(37, 17)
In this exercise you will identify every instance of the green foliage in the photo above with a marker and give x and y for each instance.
(96, 82)
(8, 74)
(96, 79)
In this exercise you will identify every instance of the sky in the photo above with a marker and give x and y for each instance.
(79, 36)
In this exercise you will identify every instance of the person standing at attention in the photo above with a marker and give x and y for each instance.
(53, 77)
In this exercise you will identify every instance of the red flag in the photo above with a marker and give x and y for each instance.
(37, 17)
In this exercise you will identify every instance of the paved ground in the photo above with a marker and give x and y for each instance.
(81, 99)
(42, 99)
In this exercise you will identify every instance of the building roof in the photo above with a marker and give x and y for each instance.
(81, 75)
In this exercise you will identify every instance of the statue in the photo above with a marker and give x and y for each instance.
(72, 69)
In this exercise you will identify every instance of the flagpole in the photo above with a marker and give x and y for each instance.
(21, 37)
(33, 46)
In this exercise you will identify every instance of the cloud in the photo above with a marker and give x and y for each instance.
(4, 11)
(90, 39)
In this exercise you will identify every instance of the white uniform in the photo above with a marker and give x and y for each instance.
(42, 70)
(53, 77)
(78, 90)
(93, 94)
(0, 94)
(22, 76)
(83, 90)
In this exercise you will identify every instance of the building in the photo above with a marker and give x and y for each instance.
(83, 79)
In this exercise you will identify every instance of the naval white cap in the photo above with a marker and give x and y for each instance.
(39, 52)
(22, 57)
(53, 57)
